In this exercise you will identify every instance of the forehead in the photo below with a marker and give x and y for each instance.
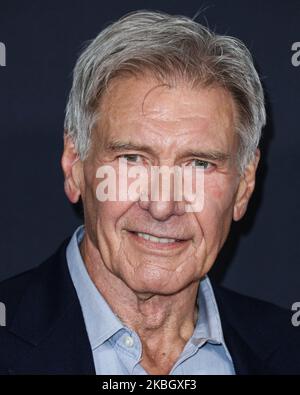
(144, 109)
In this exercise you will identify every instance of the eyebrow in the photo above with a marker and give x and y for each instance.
(119, 146)
(212, 155)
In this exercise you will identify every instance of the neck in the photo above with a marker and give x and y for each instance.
(163, 322)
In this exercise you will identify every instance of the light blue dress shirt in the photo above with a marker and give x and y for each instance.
(117, 349)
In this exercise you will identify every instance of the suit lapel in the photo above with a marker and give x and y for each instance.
(245, 337)
(49, 320)
(245, 360)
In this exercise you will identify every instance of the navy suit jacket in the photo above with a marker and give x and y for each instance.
(45, 331)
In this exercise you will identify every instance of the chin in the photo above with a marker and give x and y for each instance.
(149, 291)
(156, 286)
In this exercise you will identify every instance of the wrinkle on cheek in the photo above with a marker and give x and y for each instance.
(147, 269)
(216, 215)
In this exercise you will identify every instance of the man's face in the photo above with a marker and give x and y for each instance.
(153, 125)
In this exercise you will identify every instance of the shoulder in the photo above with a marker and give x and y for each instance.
(13, 289)
(247, 312)
(34, 301)
(266, 329)
(241, 305)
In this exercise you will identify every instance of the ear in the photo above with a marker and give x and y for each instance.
(72, 168)
(245, 188)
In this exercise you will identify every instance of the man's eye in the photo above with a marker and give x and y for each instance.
(201, 164)
(131, 157)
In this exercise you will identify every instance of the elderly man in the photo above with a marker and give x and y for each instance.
(129, 292)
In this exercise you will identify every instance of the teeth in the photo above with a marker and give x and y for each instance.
(146, 236)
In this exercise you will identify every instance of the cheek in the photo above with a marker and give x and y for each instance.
(219, 192)
(110, 214)
(216, 216)
(102, 217)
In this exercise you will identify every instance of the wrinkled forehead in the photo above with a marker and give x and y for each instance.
(148, 109)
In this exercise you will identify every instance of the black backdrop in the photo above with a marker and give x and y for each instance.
(43, 39)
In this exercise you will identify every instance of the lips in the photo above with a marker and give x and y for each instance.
(161, 242)
(158, 235)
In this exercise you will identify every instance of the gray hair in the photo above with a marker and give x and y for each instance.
(168, 46)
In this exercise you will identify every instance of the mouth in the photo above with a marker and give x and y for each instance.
(156, 242)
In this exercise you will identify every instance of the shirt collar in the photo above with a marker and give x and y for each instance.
(208, 325)
(102, 323)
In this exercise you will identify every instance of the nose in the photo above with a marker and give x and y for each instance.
(160, 200)
(161, 210)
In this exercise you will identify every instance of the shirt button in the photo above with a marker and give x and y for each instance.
(128, 341)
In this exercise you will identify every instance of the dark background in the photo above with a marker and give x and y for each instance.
(43, 39)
